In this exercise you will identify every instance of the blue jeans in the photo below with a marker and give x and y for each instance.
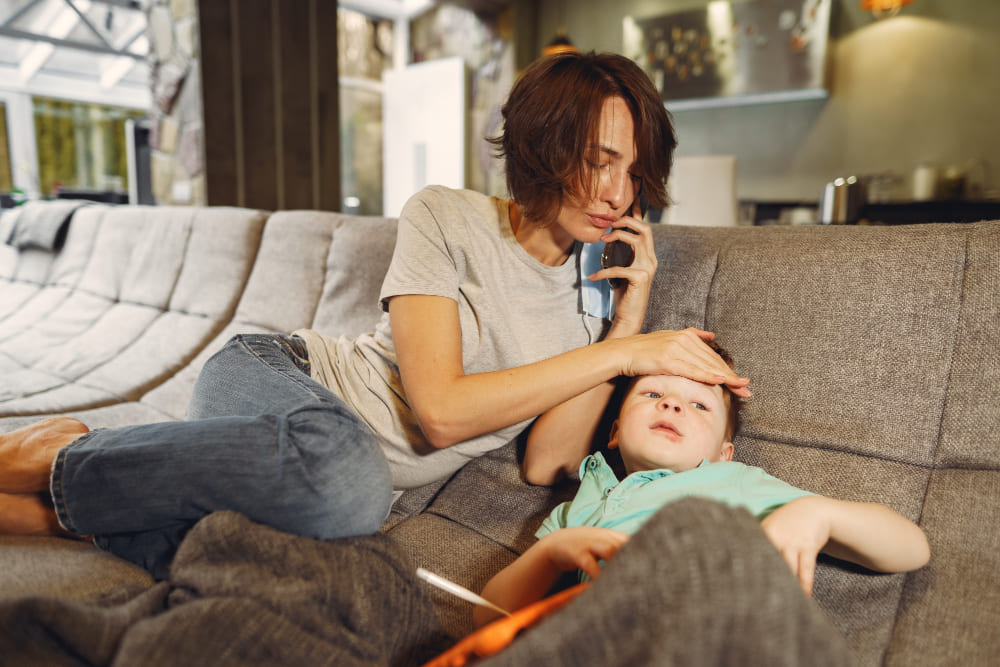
(262, 438)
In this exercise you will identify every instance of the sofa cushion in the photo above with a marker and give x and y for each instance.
(805, 310)
(288, 274)
(13, 297)
(8, 220)
(69, 569)
(489, 496)
(220, 254)
(869, 351)
(24, 302)
(69, 263)
(949, 612)
(450, 550)
(356, 264)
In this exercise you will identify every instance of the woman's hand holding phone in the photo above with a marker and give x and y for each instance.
(629, 261)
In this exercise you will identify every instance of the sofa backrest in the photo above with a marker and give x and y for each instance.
(314, 269)
(318, 270)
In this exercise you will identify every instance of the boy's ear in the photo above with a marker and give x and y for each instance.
(727, 451)
(613, 435)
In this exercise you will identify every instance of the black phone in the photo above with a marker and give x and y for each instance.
(618, 253)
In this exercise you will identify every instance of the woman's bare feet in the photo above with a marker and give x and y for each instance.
(26, 455)
(27, 514)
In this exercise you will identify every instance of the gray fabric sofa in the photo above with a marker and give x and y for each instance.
(873, 354)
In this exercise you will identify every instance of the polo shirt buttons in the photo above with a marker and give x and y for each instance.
(591, 464)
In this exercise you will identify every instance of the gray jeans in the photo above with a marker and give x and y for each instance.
(262, 438)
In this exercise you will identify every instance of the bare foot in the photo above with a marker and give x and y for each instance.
(26, 454)
(27, 514)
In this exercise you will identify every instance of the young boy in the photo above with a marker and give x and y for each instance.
(675, 438)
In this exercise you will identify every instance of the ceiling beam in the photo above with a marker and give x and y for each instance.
(83, 46)
(19, 13)
(83, 18)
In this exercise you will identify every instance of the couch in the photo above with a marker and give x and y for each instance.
(873, 354)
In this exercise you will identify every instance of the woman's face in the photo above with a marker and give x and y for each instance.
(610, 162)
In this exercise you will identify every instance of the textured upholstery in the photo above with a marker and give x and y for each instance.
(872, 352)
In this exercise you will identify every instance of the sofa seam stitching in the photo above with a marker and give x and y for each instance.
(709, 298)
(908, 577)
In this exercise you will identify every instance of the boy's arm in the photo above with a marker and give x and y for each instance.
(868, 534)
(530, 577)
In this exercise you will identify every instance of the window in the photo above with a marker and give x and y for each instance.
(81, 146)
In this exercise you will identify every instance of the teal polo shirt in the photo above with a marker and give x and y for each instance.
(625, 505)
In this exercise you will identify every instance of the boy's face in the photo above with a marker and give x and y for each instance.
(671, 422)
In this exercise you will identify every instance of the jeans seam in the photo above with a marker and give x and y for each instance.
(294, 377)
(57, 483)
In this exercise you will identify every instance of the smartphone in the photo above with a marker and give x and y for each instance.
(618, 253)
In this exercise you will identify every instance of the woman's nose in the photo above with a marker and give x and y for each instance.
(615, 189)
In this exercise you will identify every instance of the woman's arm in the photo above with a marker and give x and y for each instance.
(534, 573)
(561, 437)
(452, 407)
(871, 535)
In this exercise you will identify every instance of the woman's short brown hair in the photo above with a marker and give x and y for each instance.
(552, 116)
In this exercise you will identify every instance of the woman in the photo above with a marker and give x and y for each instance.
(483, 332)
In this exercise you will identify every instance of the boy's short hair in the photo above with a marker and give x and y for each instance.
(732, 402)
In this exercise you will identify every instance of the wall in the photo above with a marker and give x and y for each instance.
(176, 136)
(918, 87)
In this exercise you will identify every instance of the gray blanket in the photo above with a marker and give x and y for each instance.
(43, 225)
(699, 585)
(240, 593)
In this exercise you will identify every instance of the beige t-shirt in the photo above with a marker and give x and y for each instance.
(513, 310)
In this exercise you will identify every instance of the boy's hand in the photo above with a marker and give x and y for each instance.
(580, 548)
(531, 576)
(799, 530)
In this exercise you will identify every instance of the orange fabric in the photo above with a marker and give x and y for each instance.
(494, 636)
